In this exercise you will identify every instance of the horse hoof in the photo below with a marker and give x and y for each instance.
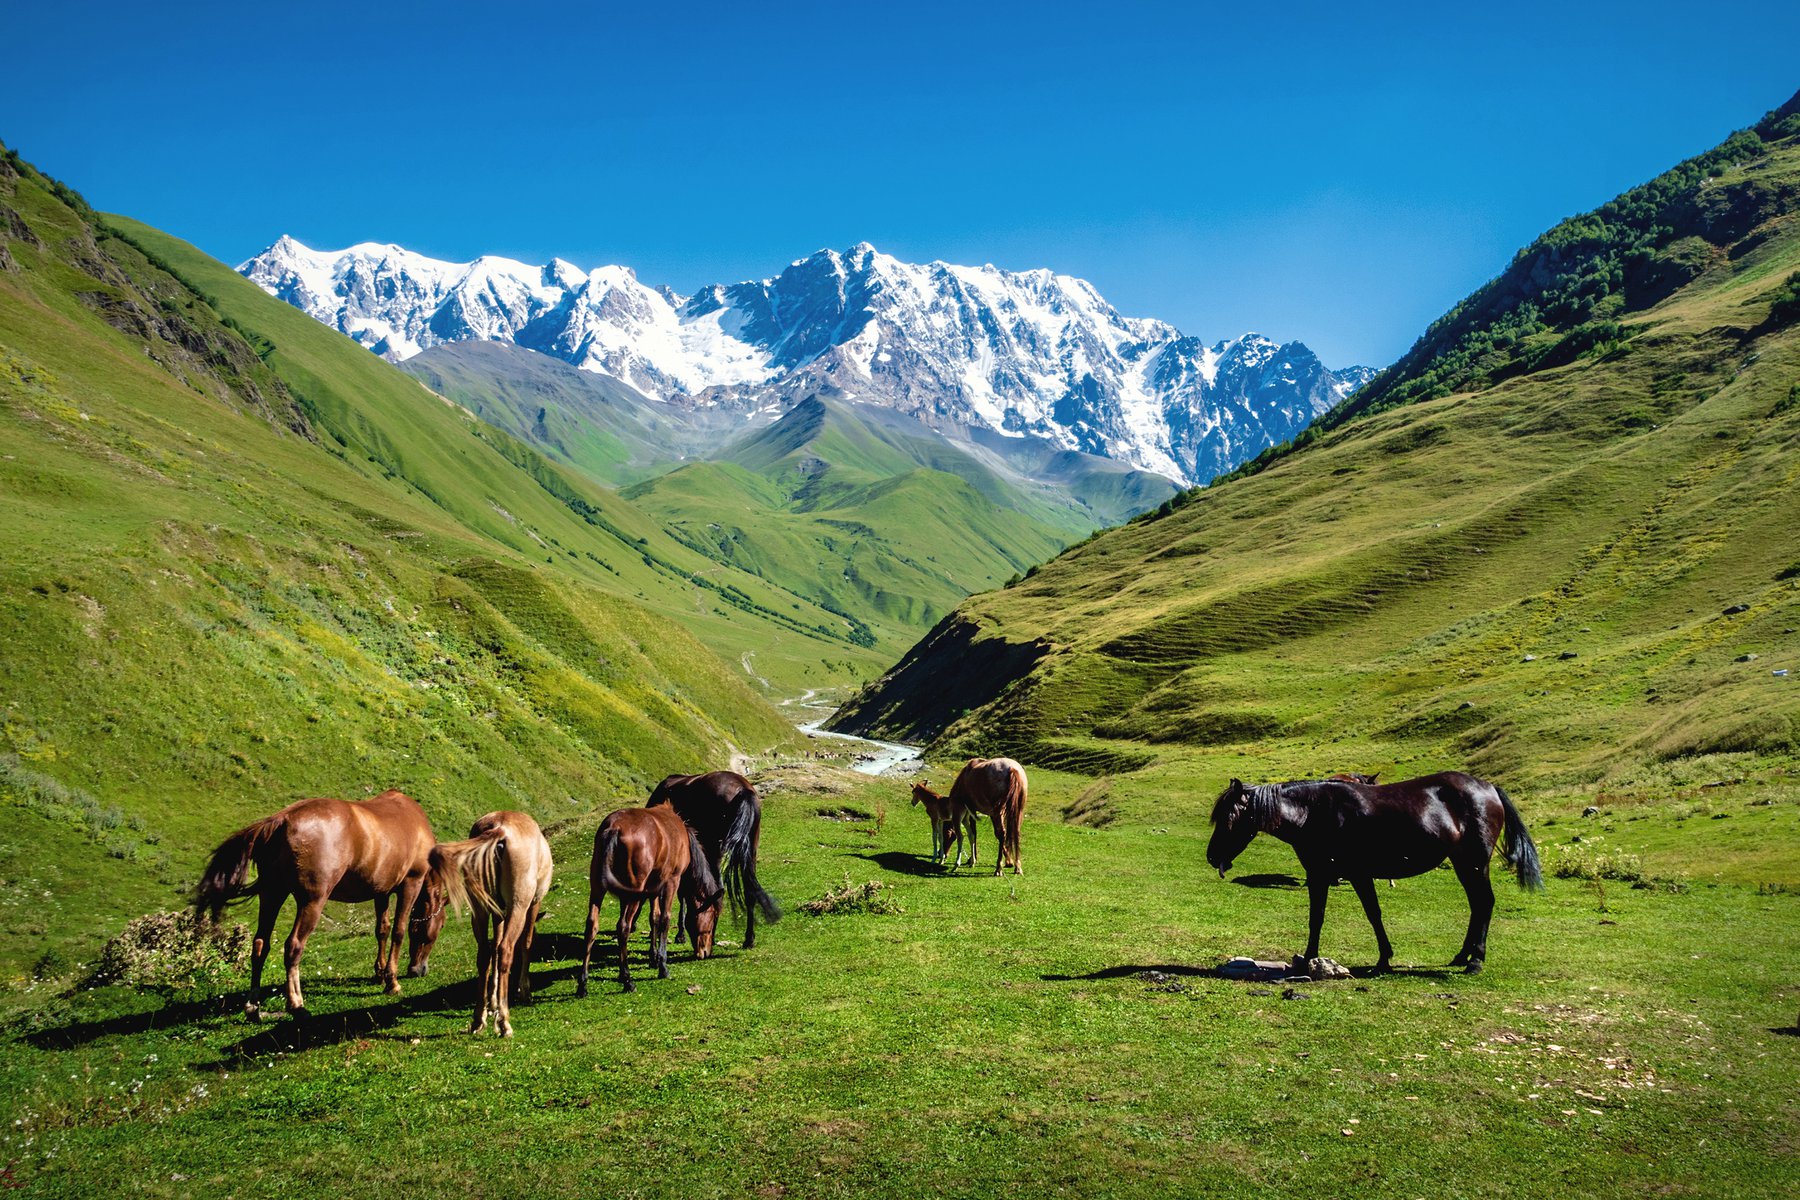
(252, 1013)
(299, 1014)
(415, 972)
(628, 986)
(1474, 968)
(393, 988)
(506, 1032)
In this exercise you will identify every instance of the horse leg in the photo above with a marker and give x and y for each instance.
(681, 924)
(506, 933)
(484, 971)
(408, 896)
(999, 819)
(587, 949)
(1475, 881)
(382, 934)
(268, 907)
(305, 921)
(1318, 887)
(522, 966)
(628, 911)
(1371, 902)
(659, 933)
(972, 824)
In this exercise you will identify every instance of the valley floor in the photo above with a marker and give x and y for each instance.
(996, 1033)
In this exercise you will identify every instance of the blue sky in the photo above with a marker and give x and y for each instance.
(1336, 173)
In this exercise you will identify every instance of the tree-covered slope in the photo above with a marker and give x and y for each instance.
(242, 565)
(1531, 579)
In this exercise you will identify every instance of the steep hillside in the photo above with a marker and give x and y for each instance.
(245, 561)
(1583, 572)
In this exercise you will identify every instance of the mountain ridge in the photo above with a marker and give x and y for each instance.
(1030, 352)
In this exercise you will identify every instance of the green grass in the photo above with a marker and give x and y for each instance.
(993, 1034)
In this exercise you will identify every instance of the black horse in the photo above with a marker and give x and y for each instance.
(1363, 832)
(725, 813)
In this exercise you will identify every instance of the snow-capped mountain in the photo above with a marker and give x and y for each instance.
(1027, 352)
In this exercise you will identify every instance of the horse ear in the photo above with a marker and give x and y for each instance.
(1237, 785)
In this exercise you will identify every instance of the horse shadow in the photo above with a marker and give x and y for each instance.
(1272, 880)
(170, 1013)
(903, 863)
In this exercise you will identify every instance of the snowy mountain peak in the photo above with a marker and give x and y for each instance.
(1019, 352)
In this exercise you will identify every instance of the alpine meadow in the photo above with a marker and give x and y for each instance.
(923, 666)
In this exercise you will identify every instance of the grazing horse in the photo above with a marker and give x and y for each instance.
(319, 850)
(725, 812)
(501, 873)
(947, 823)
(1364, 832)
(648, 854)
(995, 786)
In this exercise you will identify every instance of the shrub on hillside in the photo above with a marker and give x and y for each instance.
(172, 949)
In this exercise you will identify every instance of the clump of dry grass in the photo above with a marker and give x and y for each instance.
(870, 897)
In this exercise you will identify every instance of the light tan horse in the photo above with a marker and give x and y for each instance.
(501, 873)
(995, 786)
(319, 850)
(947, 823)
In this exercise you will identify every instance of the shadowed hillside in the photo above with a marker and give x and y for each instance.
(1568, 562)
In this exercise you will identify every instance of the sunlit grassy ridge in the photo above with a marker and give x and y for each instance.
(246, 563)
(1528, 581)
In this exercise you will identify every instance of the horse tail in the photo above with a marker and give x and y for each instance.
(1521, 851)
(605, 848)
(472, 872)
(228, 871)
(739, 856)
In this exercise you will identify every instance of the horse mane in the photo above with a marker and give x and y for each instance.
(698, 883)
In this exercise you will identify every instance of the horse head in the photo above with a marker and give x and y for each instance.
(705, 894)
(423, 926)
(1233, 825)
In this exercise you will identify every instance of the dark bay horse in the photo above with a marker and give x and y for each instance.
(725, 812)
(648, 854)
(948, 820)
(319, 850)
(1363, 832)
(995, 786)
(501, 873)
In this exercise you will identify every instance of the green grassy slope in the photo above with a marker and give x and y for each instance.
(1529, 580)
(211, 605)
(382, 422)
(591, 422)
(848, 522)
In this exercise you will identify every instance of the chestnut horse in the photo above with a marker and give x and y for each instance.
(725, 812)
(995, 786)
(648, 854)
(502, 873)
(1364, 832)
(319, 850)
(947, 822)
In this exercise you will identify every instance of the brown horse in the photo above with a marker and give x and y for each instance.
(1364, 832)
(995, 786)
(725, 812)
(947, 823)
(319, 850)
(502, 873)
(647, 854)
